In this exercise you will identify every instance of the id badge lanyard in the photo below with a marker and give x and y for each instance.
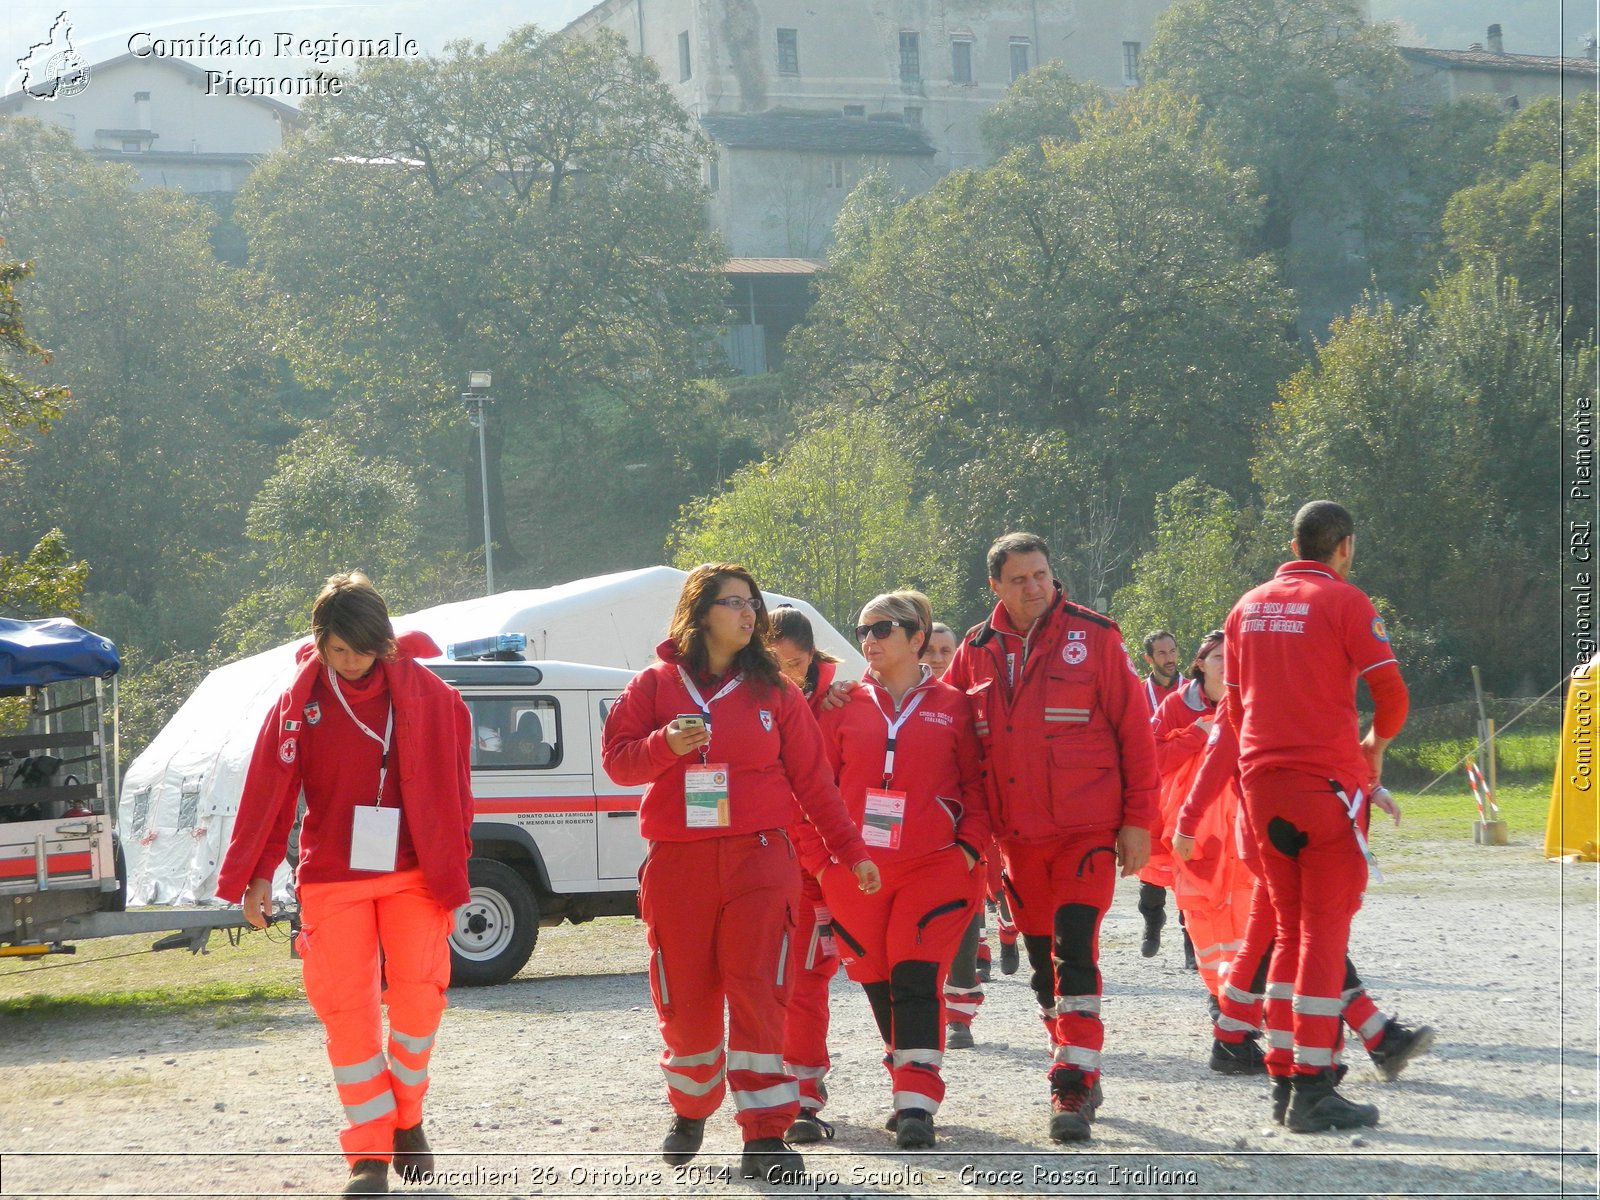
(375, 831)
(703, 704)
(1352, 805)
(894, 724)
(884, 812)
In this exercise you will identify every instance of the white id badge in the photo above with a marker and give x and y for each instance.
(705, 796)
(374, 838)
(884, 817)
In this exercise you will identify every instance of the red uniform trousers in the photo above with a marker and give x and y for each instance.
(805, 1022)
(351, 935)
(1315, 876)
(1241, 997)
(720, 916)
(1060, 891)
(898, 944)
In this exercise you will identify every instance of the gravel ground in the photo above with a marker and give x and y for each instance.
(548, 1085)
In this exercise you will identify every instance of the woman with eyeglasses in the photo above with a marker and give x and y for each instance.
(726, 748)
(905, 753)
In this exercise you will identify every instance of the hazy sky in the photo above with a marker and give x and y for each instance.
(101, 28)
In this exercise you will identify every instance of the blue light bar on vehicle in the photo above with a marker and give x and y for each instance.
(502, 647)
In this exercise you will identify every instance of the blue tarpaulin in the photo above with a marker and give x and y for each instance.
(40, 652)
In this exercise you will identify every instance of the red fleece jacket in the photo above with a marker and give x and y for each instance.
(766, 736)
(432, 749)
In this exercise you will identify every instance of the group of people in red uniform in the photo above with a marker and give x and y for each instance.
(796, 821)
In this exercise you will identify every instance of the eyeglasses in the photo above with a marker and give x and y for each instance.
(882, 629)
(739, 603)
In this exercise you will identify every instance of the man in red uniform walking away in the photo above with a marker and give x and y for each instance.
(1295, 647)
(1071, 766)
(1161, 653)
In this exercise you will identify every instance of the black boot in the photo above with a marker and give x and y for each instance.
(683, 1140)
(1281, 1090)
(1072, 1105)
(1399, 1046)
(771, 1159)
(412, 1154)
(1238, 1058)
(368, 1177)
(913, 1130)
(1314, 1106)
(1153, 907)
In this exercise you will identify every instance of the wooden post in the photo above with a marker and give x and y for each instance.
(1490, 830)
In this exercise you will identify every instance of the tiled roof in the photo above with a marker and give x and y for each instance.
(816, 133)
(1487, 60)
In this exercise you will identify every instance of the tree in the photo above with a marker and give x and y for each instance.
(1096, 288)
(536, 210)
(46, 582)
(327, 509)
(1303, 92)
(1191, 576)
(24, 406)
(835, 519)
(1438, 427)
(148, 471)
(1533, 214)
(1044, 104)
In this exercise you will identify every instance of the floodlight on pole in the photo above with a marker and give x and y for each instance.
(475, 398)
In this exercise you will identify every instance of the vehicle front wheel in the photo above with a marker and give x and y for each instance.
(495, 930)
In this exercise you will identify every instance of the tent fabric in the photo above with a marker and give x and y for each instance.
(34, 653)
(1570, 830)
(180, 797)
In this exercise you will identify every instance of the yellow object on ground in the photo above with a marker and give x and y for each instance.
(1575, 791)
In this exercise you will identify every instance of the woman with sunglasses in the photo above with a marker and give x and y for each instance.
(905, 753)
(726, 747)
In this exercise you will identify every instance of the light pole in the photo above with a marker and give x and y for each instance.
(476, 397)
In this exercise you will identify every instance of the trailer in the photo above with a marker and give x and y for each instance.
(63, 877)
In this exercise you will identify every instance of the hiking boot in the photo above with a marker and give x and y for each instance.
(412, 1154)
(957, 1036)
(808, 1127)
(1238, 1058)
(914, 1129)
(1154, 919)
(683, 1140)
(772, 1160)
(1072, 1106)
(1314, 1106)
(1281, 1089)
(368, 1177)
(1398, 1046)
(893, 1123)
(1010, 958)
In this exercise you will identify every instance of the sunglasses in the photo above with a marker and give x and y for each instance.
(882, 629)
(739, 603)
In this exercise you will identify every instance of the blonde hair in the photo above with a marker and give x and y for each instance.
(907, 606)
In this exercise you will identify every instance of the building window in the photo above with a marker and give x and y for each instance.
(788, 52)
(960, 61)
(140, 96)
(130, 147)
(910, 58)
(835, 173)
(1130, 63)
(685, 66)
(1021, 53)
(913, 117)
(856, 110)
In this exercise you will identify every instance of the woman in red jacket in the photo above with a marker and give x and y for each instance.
(805, 1022)
(381, 747)
(726, 747)
(906, 756)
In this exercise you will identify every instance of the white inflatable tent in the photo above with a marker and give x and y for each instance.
(180, 796)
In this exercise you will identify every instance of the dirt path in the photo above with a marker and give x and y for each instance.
(548, 1085)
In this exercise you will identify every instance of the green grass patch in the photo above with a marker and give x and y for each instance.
(1522, 757)
(1447, 810)
(240, 1001)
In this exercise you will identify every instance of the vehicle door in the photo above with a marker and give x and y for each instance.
(621, 848)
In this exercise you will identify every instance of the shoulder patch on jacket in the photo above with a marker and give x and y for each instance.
(1088, 614)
